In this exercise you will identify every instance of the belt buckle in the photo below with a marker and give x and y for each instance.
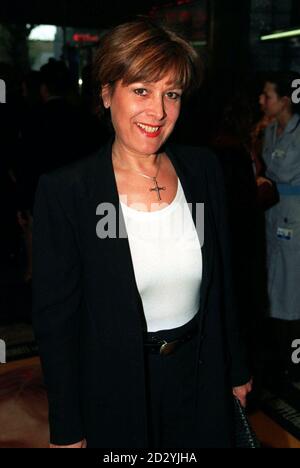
(163, 348)
(168, 348)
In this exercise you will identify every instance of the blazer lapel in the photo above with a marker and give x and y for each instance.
(103, 189)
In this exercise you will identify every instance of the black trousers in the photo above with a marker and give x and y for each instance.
(171, 386)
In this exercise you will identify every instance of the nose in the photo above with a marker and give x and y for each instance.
(157, 107)
(261, 100)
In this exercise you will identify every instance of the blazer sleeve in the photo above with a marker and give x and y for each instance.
(240, 374)
(57, 296)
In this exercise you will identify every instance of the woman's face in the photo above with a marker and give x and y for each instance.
(272, 104)
(143, 114)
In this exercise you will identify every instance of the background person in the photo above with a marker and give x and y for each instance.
(281, 154)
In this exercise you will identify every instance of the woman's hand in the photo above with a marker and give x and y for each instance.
(81, 444)
(262, 180)
(24, 220)
(241, 392)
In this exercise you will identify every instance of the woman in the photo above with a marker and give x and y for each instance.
(135, 354)
(282, 158)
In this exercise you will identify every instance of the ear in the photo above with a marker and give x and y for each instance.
(286, 101)
(106, 95)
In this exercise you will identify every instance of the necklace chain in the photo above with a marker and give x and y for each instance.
(156, 189)
(147, 176)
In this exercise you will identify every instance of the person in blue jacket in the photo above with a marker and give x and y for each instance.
(281, 154)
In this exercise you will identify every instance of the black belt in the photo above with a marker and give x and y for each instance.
(163, 347)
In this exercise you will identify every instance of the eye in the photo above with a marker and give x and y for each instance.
(173, 95)
(140, 91)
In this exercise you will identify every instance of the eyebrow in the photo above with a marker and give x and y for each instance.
(175, 85)
(169, 85)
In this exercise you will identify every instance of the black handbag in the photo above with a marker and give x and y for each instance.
(244, 434)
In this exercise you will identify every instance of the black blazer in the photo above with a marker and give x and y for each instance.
(88, 315)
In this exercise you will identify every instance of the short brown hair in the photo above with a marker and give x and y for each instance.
(142, 50)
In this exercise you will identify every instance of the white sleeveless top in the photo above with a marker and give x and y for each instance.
(167, 261)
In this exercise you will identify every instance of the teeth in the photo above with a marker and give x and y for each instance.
(147, 128)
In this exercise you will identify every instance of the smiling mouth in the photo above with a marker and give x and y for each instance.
(149, 130)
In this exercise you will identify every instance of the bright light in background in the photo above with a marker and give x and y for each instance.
(43, 32)
(281, 35)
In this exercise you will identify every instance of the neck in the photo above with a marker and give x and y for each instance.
(131, 160)
(284, 118)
